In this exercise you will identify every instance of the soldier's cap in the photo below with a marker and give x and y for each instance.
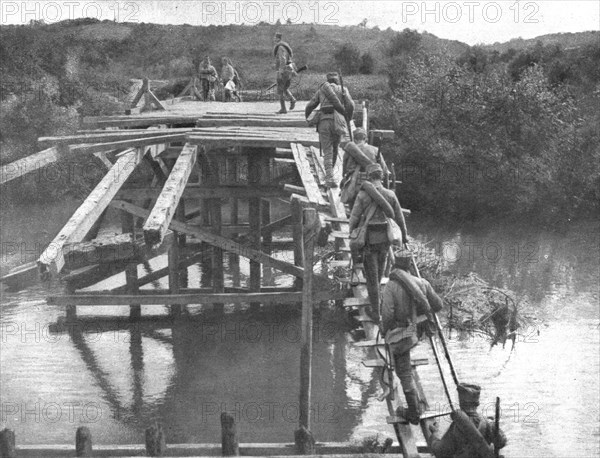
(402, 256)
(373, 168)
(278, 35)
(360, 132)
(468, 395)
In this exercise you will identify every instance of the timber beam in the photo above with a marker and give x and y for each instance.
(184, 299)
(52, 259)
(159, 219)
(216, 240)
(207, 192)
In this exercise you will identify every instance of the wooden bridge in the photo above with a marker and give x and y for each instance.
(198, 178)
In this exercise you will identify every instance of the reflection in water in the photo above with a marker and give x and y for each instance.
(117, 378)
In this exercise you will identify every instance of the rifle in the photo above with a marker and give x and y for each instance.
(300, 70)
(497, 428)
(344, 102)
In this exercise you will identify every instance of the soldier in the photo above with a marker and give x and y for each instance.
(355, 164)
(379, 203)
(333, 120)
(462, 440)
(208, 78)
(285, 72)
(230, 80)
(407, 300)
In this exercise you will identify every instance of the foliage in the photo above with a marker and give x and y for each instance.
(474, 142)
(367, 64)
(347, 58)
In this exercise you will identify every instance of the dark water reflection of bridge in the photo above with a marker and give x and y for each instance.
(242, 362)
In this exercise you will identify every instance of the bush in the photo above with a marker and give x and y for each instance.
(347, 58)
(367, 64)
(475, 145)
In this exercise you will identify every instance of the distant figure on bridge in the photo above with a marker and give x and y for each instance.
(407, 301)
(208, 79)
(469, 435)
(357, 156)
(230, 80)
(286, 70)
(373, 205)
(332, 124)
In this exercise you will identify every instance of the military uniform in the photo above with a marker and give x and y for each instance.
(228, 73)
(350, 166)
(208, 78)
(406, 301)
(330, 130)
(285, 72)
(377, 243)
(455, 444)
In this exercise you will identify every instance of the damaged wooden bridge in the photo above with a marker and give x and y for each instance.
(198, 182)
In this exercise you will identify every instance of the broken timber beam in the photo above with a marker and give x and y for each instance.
(52, 259)
(158, 222)
(216, 240)
(28, 164)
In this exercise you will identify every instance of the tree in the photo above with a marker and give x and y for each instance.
(404, 43)
(363, 23)
(367, 64)
(347, 58)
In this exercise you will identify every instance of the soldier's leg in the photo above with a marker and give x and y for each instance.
(382, 254)
(326, 139)
(204, 90)
(404, 372)
(371, 274)
(289, 94)
(281, 93)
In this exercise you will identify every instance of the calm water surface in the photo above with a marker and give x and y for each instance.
(117, 379)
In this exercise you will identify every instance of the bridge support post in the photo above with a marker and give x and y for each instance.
(305, 443)
(131, 274)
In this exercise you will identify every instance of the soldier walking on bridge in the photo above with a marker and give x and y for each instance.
(286, 70)
(374, 204)
(208, 78)
(230, 80)
(332, 125)
(407, 301)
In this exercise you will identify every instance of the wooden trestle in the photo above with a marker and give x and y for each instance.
(202, 158)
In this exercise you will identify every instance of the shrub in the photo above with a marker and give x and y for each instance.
(367, 64)
(347, 58)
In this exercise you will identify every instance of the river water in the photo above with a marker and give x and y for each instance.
(117, 378)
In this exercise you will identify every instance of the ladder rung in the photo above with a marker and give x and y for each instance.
(332, 219)
(374, 363)
(356, 302)
(342, 263)
(339, 235)
(381, 363)
(368, 343)
(394, 419)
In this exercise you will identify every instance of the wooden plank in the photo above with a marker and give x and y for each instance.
(207, 192)
(28, 164)
(184, 299)
(52, 259)
(134, 142)
(218, 241)
(319, 167)
(253, 142)
(312, 189)
(158, 222)
(103, 136)
(356, 302)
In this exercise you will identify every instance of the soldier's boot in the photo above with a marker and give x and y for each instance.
(329, 180)
(413, 414)
(283, 108)
(292, 104)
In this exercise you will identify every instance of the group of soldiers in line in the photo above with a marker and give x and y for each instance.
(404, 308)
(229, 80)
